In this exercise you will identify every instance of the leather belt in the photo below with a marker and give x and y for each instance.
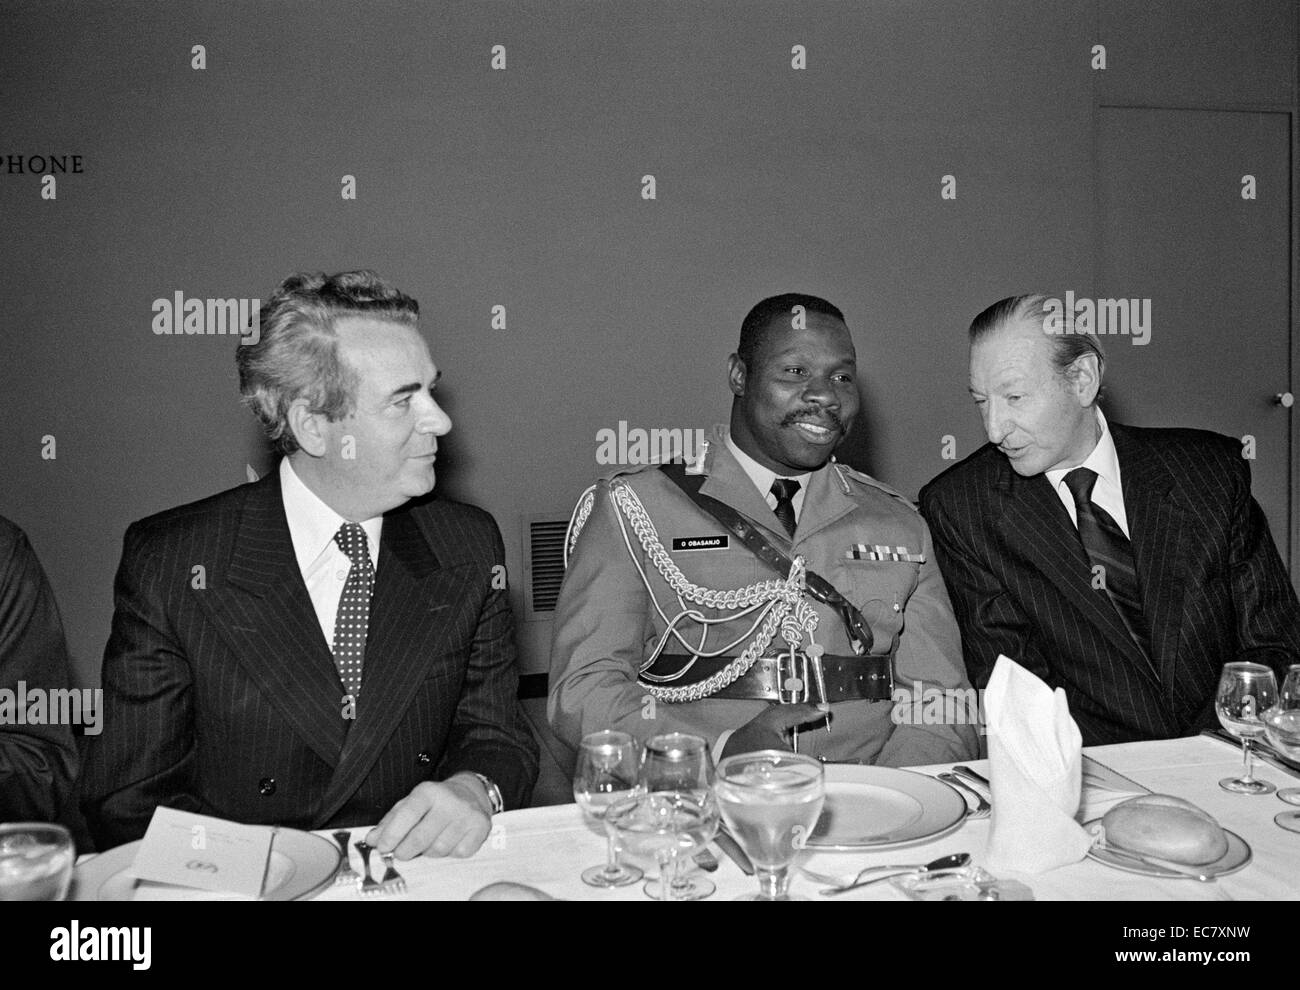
(779, 678)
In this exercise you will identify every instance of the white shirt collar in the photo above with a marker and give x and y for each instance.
(1108, 490)
(1102, 460)
(312, 523)
(761, 476)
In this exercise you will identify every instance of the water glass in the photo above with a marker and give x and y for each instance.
(35, 862)
(771, 801)
(1246, 691)
(606, 771)
(677, 778)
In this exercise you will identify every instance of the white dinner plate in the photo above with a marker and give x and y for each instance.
(880, 807)
(301, 865)
(1237, 856)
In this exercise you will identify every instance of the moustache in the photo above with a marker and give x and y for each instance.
(822, 417)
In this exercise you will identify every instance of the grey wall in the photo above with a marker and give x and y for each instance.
(522, 188)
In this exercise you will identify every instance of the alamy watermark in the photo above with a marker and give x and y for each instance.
(636, 446)
(179, 316)
(53, 706)
(922, 705)
(1124, 317)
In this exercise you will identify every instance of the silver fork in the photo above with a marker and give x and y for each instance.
(368, 884)
(392, 882)
(345, 874)
(983, 809)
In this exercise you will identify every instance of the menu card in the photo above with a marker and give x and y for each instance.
(208, 853)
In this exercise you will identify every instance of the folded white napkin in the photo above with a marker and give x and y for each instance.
(1035, 754)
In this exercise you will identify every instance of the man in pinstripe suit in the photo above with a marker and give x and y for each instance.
(323, 647)
(1125, 565)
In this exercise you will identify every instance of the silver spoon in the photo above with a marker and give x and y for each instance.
(952, 862)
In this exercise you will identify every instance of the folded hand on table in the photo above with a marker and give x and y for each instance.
(449, 818)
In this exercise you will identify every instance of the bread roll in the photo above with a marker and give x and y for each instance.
(504, 891)
(1167, 827)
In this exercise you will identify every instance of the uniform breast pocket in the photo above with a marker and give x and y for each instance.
(880, 589)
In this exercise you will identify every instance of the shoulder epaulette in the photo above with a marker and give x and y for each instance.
(582, 510)
(863, 478)
(578, 519)
(628, 469)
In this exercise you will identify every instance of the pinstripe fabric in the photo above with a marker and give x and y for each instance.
(214, 687)
(1213, 586)
(37, 762)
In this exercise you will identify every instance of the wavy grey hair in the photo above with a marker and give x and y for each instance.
(297, 353)
(1069, 344)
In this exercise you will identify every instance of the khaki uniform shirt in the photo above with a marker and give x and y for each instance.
(607, 625)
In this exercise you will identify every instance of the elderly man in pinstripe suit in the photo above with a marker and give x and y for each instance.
(323, 647)
(1125, 565)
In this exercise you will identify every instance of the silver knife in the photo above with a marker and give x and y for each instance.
(731, 847)
(705, 860)
(266, 867)
(1162, 864)
(1264, 752)
(1107, 779)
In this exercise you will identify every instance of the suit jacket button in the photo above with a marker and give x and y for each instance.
(423, 758)
(266, 786)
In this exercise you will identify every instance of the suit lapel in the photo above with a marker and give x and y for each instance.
(264, 614)
(409, 623)
(1037, 527)
(1159, 531)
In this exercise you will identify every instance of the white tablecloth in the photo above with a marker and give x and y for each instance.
(548, 848)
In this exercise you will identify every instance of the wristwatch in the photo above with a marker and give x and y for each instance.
(493, 793)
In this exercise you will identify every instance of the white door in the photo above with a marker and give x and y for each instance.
(1173, 227)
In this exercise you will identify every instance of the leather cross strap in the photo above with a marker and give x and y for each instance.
(747, 531)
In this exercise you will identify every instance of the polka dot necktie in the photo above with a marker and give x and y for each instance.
(784, 489)
(354, 607)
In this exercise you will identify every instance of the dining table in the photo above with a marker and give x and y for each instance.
(547, 848)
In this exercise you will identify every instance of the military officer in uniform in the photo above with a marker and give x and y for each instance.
(670, 619)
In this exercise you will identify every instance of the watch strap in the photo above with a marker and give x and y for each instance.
(493, 792)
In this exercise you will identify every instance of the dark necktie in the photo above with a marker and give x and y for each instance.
(354, 607)
(1108, 548)
(784, 489)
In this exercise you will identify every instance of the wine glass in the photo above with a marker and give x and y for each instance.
(677, 778)
(1282, 726)
(606, 771)
(1246, 691)
(771, 801)
(35, 862)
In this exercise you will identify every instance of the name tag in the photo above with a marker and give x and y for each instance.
(701, 542)
(861, 551)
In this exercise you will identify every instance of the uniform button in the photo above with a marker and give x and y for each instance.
(423, 758)
(266, 786)
(340, 574)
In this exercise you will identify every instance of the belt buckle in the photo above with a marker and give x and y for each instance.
(792, 677)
